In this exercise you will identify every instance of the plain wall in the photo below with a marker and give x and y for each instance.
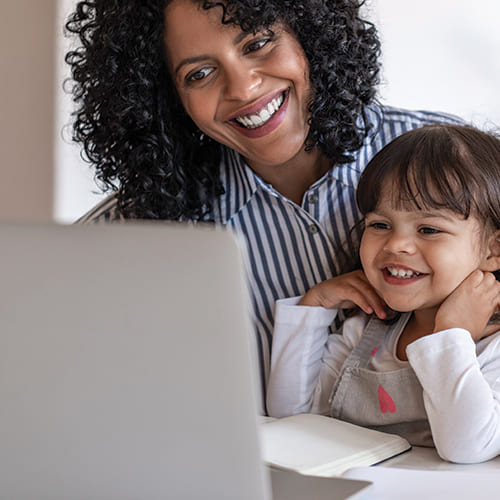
(441, 55)
(27, 92)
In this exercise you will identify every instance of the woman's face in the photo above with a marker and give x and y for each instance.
(248, 92)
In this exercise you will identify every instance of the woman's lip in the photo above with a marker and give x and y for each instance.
(268, 127)
(256, 106)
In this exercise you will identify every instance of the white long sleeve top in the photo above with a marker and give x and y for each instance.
(460, 378)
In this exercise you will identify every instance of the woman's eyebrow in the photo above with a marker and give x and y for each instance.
(196, 59)
(190, 60)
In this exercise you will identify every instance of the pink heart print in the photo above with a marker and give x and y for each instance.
(385, 401)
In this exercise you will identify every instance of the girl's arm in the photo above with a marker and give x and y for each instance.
(306, 358)
(461, 389)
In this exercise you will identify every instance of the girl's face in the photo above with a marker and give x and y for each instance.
(416, 258)
(248, 92)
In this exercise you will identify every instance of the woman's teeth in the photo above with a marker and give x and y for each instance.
(402, 273)
(255, 120)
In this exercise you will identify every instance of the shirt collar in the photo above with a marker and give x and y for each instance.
(348, 173)
(239, 182)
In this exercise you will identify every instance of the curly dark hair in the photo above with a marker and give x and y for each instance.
(131, 122)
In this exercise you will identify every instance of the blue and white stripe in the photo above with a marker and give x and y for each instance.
(290, 247)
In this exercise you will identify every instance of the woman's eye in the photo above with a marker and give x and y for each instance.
(198, 75)
(256, 45)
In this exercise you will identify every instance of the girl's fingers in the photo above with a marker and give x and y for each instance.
(375, 304)
(367, 299)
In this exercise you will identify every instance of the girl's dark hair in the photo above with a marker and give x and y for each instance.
(134, 129)
(456, 167)
(453, 167)
(438, 166)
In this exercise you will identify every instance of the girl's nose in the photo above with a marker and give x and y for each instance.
(399, 243)
(241, 82)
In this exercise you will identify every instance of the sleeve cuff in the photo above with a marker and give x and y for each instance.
(289, 312)
(429, 346)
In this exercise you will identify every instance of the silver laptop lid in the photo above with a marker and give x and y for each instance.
(124, 365)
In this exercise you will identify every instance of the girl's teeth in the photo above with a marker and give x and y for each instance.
(258, 119)
(401, 273)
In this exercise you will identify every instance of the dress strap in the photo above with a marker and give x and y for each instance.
(372, 337)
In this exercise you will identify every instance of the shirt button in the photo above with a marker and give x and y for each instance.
(313, 229)
(312, 199)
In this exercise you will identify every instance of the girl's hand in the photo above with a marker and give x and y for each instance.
(471, 305)
(345, 291)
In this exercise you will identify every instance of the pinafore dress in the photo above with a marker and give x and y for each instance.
(386, 401)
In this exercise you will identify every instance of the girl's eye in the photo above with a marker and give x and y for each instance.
(379, 226)
(198, 75)
(429, 230)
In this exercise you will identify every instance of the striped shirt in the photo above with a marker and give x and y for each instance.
(290, 247)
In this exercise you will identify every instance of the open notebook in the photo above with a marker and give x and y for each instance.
(316, 445)
(126, 367)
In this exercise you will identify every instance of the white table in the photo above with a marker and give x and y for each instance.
(421, 475)
(428, 459)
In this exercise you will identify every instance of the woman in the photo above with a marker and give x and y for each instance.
(257, 115)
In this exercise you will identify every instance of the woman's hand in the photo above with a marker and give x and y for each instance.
(346, 291)
(471, 305)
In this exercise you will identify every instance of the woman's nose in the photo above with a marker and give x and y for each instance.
(241, 82)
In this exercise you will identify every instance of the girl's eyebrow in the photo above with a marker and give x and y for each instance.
(450, 218)
(196, 59)
(441, 214)
(437, 215)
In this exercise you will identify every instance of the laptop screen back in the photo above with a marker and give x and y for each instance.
(125, 365)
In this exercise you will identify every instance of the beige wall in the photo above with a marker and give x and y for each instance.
(27, 33)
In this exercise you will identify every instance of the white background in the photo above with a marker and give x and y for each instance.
(441, 55)
(437, 55)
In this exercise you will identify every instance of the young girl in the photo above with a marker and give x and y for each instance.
(431, 242)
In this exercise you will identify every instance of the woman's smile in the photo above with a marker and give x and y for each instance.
(248, 91)
(259, 120)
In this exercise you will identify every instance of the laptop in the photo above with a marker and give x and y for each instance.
(127, 368)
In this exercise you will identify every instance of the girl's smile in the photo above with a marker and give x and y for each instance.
(416, 258)
(395, 274)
